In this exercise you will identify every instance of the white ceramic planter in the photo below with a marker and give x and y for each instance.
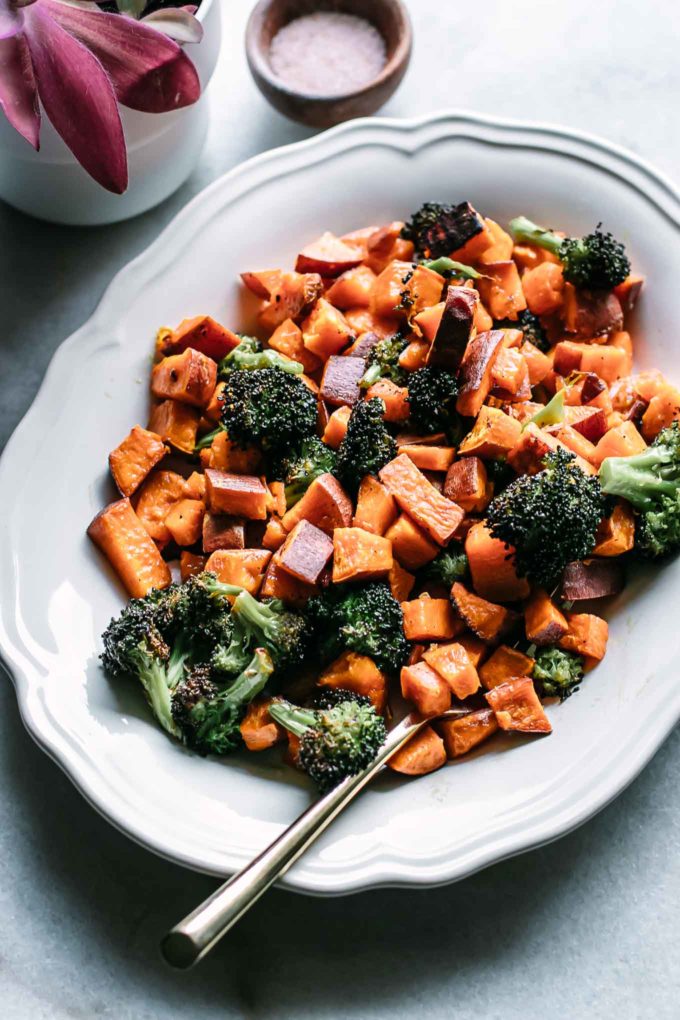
(163, 149)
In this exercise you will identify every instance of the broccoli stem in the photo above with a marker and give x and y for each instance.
(219, 588)
(445, 265)
(297, 720)
(154, 677)
(207, 440)
(370, 376)
(257, 614)
(252, 680)
(522, 229)
(551, 414)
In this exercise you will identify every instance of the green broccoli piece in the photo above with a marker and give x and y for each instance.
(558, 672)
(383, 362)
(337, 740)
(362, 618)
(367, 445)
(298, 470)
(449, 566)
(268, 408)
(249, 355)
(650, 481)
(449, 268)
(432, 396)
(550, 517)
(438, 229)
(597, 261)
(552, 413)
(530, 325)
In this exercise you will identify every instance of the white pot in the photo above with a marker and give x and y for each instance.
(163, 149)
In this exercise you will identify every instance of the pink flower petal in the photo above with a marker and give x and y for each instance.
(78, 99)
(149, 71)
(18, 90)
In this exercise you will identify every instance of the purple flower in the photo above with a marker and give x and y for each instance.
(79, 64)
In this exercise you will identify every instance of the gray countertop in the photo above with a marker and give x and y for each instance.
(586, 927)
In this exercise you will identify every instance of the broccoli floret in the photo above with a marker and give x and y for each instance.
(383, 362)
(362, 618)
(651, 482)
(336, 741)
(597, 261)
(438, 229)
(449, 566)
(367, 445)
(432, 396)
(500, 473)
(530, 325)
(249, 355)
(550, 517)
(298, 470)
(209, 716)
(558, 672)
(268, 408)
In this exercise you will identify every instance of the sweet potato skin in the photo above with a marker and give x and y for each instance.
(305, 552)
(517, 707)
(236, 495)
(466, 484)
(475, 371)
(324, 504)
(134, 458)
(222, 532)
(125, 542)
(340, 380)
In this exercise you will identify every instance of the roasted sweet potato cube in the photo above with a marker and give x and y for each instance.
(423, 288)
(469, 731)
(279, 584)
(501, 291)
(274, 534)
(587, 635)
(428, 619)
(244, 567)
(223, 455)
(453, 664)
(425, 689)
(494, 434)
(328, 256)
(340, 380)
(487, 620)
(466, 484)
(155, 498)
(432, 511)
(189, 377)
(263, 283)
(623, 440)
(305, 552)
(134, 458)
(410, 545)
(510, 374)
(629, 291)
(126, 543)
(476, 648)
(386, 245)
(190, 564)
(236, 495)
(223, 532)
(616, 533)
(504, 664)
(325, 504)
(423, 753)
(544, 623)
(428, 457)
(538, 363)
(287, 340)
(376, 509)
(326, 331)
(336, 429)
(176, 423)
(386, 295)
(543, 287)
(517, 707)
(352, 289)
(400, 581)
(202, 334)
(359, 674)
(258, 729)
(213, 409)
(475, 371)
(591, 313)
(454, 328)
(185, 521)
(360, 555)
(290, 297)
(492, 566)
(395, 399)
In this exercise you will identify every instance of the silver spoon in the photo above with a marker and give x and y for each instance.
(192, 938)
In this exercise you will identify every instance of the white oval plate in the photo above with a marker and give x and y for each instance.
(57, 594)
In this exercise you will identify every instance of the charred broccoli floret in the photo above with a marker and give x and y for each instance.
(597, 261)
(362, 618)
(367, 445)
(249, 355)
(650, 481)
(558, 672)
(432, 396)
(298, 470)
(268, 408)
(550, 517)
(438, 229)
(383, 362)
(530, 325)
(336, 740)
(449, 566)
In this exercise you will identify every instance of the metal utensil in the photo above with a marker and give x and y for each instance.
(200, 930)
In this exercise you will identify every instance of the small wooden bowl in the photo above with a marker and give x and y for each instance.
(388, 16)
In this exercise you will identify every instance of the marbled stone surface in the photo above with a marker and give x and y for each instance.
(587, 927)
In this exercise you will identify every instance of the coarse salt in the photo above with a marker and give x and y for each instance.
(327, 53)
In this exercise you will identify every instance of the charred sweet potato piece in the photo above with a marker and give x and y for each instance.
(352, 289)
(325, 504)
(432, 511)
(190, 564)
(492, 567)
(376, 509)
(410, 545)
(185, 521)
(305, 552)
(126, 543)
(203, 334)
(422, 289)
(263, 283)
(134, 458)
(258, 729)
(428, 457)
(291, 296)
(464, 734)
(504, 664)
(328, 256)
(359, 674)
(591, 313)
(325, 331)
(526, 457)
(475, 371)
(487, 620)
(236, 495)
(394, 397)
(454, 328)
(587, 635)
(175, 423)
(425, 689)
(287, 340)
(340, 380)
(544, 623)
(494, 434)
(592, 579)
(423, 753)
(155, 498)
(223, 532)
(360, 555)
(244, 567)
(388, 291)
(189, 377)
(466, 484)
(427, 619)
(453, 664)
(616, 533)
(336, 429)
(400, 581)
(279, 584)
(517, 707)
(501, 291)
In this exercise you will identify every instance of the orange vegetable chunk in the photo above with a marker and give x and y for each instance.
(223, 532)
(287, 340)
(400, 581)
(185, 521)
(475, 371)
(464, 734)
(352, 289)
(395, 398)
(587, 635)
(428, 457)
(359, 674)
(487, 620)
(125, 542)
(175, 423)
(203, 334)
(291, 295)
(423, 753)
(427, 619)
(544, 623)
(494, 434)
(325, 504)
(616, 533)
(492, 567)
(328, 255)
(622, 441)
(189, 377)
(155, 498)
(410, 545)
(505, 664)
(244, 567)
(279, 584)
(453, 664)
(432, 511)
(543, 288)
(466, 484)
(134, 458)
(237, 495)
(501, 290)
(376, 509)
(360, 555)
(258, 729)
(190, 564)
(336, 429)
(517, 707)
(425, 688)
(325, 331)
(305, 552)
